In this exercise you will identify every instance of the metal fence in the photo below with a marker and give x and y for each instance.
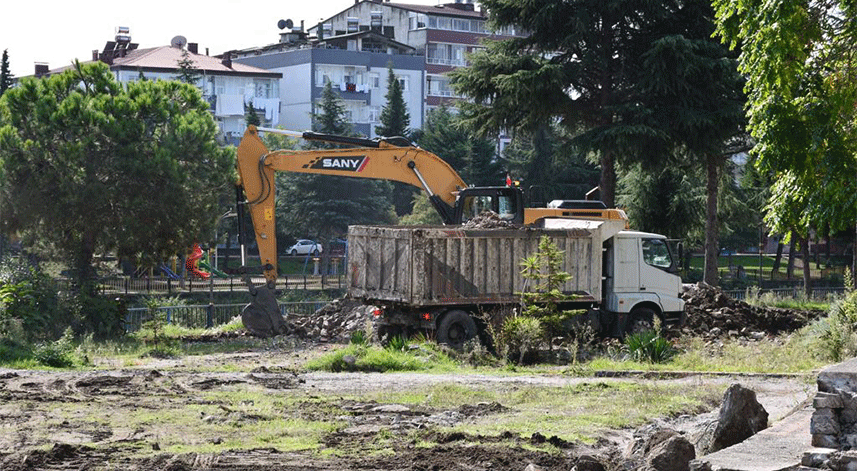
(168, 286)
(209, 315)
(794, 292)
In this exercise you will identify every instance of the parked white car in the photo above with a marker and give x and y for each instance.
(305, 247)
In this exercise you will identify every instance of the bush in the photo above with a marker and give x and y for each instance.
(838, 338)
(649, 346)
(519, 338)
(28, 303)
(58, 354)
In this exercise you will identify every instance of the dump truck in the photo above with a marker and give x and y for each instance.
(444, 279)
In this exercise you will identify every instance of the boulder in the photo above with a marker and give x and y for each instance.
(741, 416)
(262, 316)
(673, 454)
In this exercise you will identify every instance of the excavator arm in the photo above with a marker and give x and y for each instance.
(392, 160)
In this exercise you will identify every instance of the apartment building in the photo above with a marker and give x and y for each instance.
(355, 62)
(228, 87)
(441, 34)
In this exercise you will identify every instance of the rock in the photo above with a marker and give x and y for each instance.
(533, 467)
(674, 454)
(258, 318)
(741, 416)
(588, 463)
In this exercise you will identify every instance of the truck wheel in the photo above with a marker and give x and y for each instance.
(642, 319)
(456, 328)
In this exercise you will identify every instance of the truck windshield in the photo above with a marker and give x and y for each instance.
(656, 253)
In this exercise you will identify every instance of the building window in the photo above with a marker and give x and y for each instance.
(417, 20)
(446, 54)
(403, 82)
(374, 114)
(374, 80)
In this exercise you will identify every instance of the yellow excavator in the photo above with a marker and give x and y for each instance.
(392, 159)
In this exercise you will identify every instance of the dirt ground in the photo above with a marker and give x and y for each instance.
(108, 417)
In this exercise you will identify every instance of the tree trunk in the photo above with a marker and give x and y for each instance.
(85, 275)
(778, 259)
(712, 249)
(791, 265)
(804, 250)
(608, 178)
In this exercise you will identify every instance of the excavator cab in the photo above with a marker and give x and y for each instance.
(507, 202)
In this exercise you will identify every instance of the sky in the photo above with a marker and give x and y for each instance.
(57, 32)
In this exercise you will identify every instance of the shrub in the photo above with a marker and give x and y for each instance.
(28, 302)
(519, 338)
(649, 346)
(838, 338)
(57, 354)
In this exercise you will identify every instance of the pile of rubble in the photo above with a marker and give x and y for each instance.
(488, 220)
(712, 313)
(334, 322)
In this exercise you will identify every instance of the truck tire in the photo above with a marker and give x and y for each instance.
(455, 329)
(642, 319)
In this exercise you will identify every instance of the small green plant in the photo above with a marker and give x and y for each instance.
(519, 338)
(543, 299)
(57, 354)
(649, 346)
(838, 339)
(397, 343)
(358, 337)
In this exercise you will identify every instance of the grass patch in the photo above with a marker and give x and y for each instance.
(368, 358)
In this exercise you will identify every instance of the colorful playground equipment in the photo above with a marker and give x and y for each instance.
(191, 264)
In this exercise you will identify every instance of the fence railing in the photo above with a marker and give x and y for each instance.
(166, 285)
(203, 316)
(794, 292)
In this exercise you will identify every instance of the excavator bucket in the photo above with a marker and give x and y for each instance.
(262, 316)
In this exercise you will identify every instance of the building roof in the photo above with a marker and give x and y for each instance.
(465, 10)
(165, 59)
(368, 34)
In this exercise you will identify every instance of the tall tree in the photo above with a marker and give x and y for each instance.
(395, 121)
(800, 62)
(575, 67)
(5, 74)
(395, 118)
(187, 72)
(92, 165)
(692, 93)
(251, 116)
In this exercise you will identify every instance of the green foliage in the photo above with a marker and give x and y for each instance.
(447, 136)
(29, 306)
(251, 117)
(542, 300)
(798, 59)
(375, 359)
(320, 206)
(838, 339)
(359, 337)
(100, 316)
(649, 346)
(93, 166)
(5, 74)
(397, 343)
(519, 338)
(57, 354)
(188, 72)
(423, 213)
(394, 118)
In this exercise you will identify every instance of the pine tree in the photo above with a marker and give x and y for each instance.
(395, 118)
(188, 72)
(5, 74)
(250, 116)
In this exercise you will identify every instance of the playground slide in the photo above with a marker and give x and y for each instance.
(205, 265)
(169, 272)
(192, 263)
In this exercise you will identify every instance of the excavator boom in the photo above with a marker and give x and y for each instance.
(390, 160)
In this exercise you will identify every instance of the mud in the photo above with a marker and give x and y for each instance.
(142, 417)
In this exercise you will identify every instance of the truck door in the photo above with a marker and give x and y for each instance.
(626, 273)
(656, 276)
